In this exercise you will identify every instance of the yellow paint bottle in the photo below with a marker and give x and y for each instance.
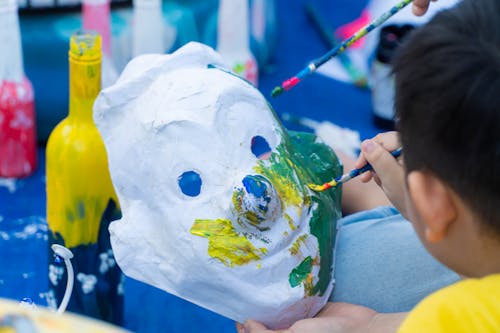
(81, 200)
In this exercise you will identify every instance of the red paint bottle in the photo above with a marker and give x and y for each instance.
(17, 111)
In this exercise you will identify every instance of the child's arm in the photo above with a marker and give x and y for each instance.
(387, 172)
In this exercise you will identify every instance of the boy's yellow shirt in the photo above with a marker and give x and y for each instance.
(472, 305)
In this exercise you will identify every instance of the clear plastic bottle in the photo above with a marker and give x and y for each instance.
(81, 201)
(17, 110)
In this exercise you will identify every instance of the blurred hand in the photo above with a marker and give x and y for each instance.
(420, 6)
(387, 172)
(335, 317)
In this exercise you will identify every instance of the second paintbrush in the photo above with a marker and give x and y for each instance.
(348, 176)
(313, 66)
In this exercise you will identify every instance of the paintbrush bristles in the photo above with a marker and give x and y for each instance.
(277, 91)
(325, 186)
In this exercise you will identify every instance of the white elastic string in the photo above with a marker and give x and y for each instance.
(66, 254)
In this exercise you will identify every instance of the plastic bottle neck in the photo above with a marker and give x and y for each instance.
(232, 29)
(11, 60)
(84, 74)
(148, 31)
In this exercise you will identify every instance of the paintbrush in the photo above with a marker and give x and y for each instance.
(348, 176)
(326, 33)
(314, 65)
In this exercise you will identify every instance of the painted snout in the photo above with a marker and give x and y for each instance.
(257, 202)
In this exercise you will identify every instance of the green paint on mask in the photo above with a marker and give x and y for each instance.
(297, 161)
(281, 172)
(301, 272)
(319, 165)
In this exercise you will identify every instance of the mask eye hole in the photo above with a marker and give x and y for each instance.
(190, 183)
(260, 148)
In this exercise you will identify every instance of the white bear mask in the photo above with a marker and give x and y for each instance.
(215, 202)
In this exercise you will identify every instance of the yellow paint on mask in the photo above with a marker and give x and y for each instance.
(281, 174)
(308, 284)
(294, 250)
(225, 244)
(290, 222)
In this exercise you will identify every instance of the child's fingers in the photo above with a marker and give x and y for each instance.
(420, 7)
(240, 328)
(366, 177)
(387, 168)
(388, 140)
(376, 179)
(252, 326)
(380, 159)
(389, 172)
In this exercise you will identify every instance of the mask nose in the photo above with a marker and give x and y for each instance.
(257, 202)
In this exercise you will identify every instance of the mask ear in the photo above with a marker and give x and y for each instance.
(434, 203)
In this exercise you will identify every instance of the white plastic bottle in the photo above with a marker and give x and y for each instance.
(148, 34)
(233, 39)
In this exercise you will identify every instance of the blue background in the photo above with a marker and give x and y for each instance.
(23, 259)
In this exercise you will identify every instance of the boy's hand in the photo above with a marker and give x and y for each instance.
(387, 172)
(335, 317)
(420, 6)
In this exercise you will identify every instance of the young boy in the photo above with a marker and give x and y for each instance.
(447, 103)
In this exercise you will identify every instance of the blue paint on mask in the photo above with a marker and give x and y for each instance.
(255, 185)
(190, 183)
(259, 146)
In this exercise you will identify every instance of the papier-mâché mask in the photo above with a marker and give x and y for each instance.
(213, 190)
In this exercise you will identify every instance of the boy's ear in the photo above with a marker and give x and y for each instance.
(434, 202)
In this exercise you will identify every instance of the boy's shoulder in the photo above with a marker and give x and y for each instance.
(471, 305)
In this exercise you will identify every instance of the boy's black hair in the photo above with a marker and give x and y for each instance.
(448, 103)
